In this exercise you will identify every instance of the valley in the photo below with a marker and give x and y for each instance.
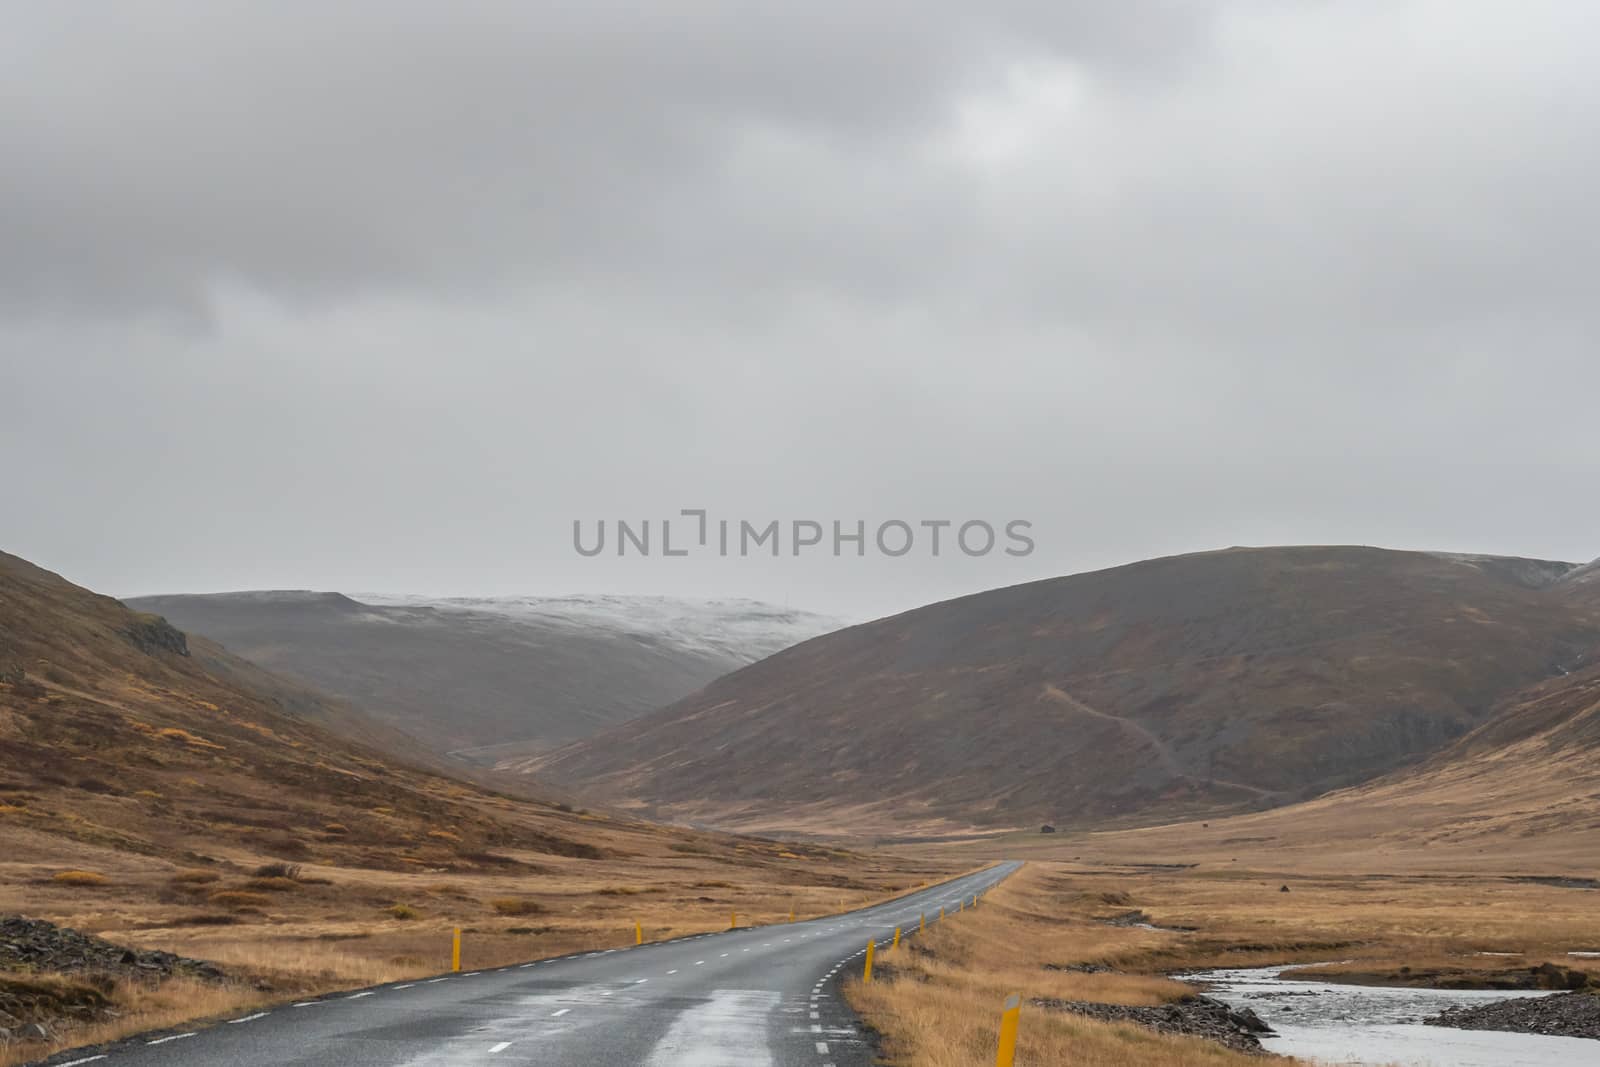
(166, 795)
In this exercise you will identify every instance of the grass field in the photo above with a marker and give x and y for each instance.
(937, 999)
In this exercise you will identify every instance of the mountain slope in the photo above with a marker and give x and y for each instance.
(468, 674)
(1210, 682)
(163, 795)
(1519, 791)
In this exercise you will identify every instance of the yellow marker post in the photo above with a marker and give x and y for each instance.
(922, 922)
(638, 934)
(791, 915)
(961, 906)
(866, 975)
(941, 911)
(455, 950)
(896, 938)
(974, 900)
(1007, 1053)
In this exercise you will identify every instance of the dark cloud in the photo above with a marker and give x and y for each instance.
(385, 295)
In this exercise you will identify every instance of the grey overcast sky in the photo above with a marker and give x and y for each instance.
(384, 296)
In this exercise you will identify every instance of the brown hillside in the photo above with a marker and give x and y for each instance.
(1203, 683)
(1521, 792)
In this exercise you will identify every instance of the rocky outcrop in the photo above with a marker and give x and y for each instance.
(151, 634)
(34, 945)
(1193, 1016)
(1574, 1014)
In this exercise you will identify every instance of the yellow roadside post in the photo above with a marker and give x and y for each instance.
(638, 934)
(961, 906)
(974, 900)
(1008, 1032)
(455, 950)
(733, 919)
(791, 915)
(922, 922)
(866, 975)
(941, 911)
(896, 938)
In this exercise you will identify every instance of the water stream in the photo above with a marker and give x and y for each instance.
(1347, 1024)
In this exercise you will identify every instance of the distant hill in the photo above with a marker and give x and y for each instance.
(1207, 683)
(492, 676)
(119, 734)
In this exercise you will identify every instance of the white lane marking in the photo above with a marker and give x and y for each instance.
(673, 971)
(305, 1003)
(641, 981)
(501, 1047)
(558, 1014)
(525, 966)
(408, 985)
(816, 1028)
(822, 1047)
(433, 981)
(724, 955)
(86, 1059)
(358, 996)
(472, 974)
(816, 1015)
(248, 1018)
(171, 1037)
(697, 963)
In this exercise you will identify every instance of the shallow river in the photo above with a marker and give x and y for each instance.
(1343, 1024)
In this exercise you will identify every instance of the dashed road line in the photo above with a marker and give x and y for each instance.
(248, 1018)
(558, 1014)
(501, 1047)
(171, 1037)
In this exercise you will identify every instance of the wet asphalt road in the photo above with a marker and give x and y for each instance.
(758, 997)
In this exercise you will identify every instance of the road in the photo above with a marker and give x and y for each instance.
(765, 996)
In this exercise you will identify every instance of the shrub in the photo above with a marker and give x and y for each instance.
(290, 871)
(402, 911)
(335, 828)
(516, 906)
(80, 878)
(620, 891)
(272, 885)
(236, 898)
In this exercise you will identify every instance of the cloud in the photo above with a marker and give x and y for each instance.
(385, 295)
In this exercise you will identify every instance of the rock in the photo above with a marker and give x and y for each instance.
(1196, 1016)
(1247, 1019)
(36, 945)
(34, 1032)
(1047, 829)
(151, 634)
(1572, 1014)
(1283, 889)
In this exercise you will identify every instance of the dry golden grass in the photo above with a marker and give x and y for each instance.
(179, 1000)
(937, 999)
(516, 906)
(81, 878)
